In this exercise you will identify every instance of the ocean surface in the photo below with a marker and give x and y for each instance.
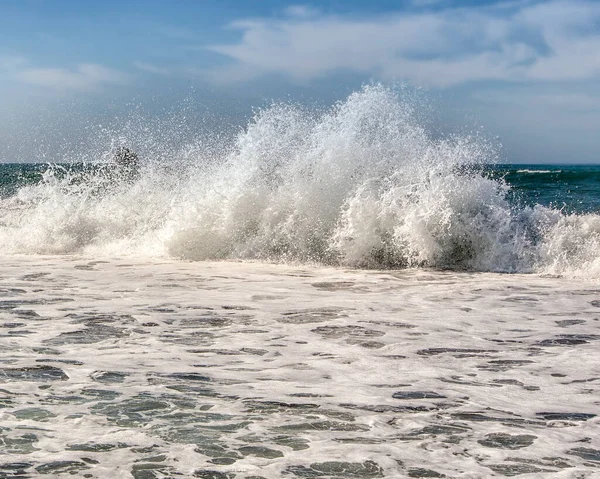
(332, 294)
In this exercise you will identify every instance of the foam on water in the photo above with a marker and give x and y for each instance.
(128, 367)
(363, 184)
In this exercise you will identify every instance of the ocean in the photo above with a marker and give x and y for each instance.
(572, 189)
(342, 293)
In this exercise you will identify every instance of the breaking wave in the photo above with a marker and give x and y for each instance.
(363, 184)
(538, 172)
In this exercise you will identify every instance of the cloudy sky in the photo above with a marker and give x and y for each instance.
(526, 71)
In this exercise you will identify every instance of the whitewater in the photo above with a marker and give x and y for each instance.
(330, 293)
(363, 184)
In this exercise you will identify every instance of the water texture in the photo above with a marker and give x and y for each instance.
(237, 370)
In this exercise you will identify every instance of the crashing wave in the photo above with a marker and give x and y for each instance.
(363, 184)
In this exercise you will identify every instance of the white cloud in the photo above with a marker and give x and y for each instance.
(520, 41)
(84, 77)
(554, 99)
(301, 11)
(12, 62)
(427, 3)
(150, 68)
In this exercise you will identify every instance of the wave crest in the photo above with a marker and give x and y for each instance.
(363, 184)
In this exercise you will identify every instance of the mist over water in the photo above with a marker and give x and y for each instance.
(362, 184)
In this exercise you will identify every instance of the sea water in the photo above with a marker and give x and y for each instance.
(342, 293)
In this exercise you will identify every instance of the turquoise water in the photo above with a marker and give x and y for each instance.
(572, 188)
(13, 176)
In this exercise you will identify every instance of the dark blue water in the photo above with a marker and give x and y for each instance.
(571, 188)
(13, 176)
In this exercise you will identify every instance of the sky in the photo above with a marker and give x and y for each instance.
(527, 72)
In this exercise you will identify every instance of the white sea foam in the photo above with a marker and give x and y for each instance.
(140, 368)
(538, 171)
(363, 184)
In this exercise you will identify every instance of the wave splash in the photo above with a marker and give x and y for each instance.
(363, 184)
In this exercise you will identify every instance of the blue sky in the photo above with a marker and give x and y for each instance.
(527, 71)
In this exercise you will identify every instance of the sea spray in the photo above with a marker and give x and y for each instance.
(363, 184)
